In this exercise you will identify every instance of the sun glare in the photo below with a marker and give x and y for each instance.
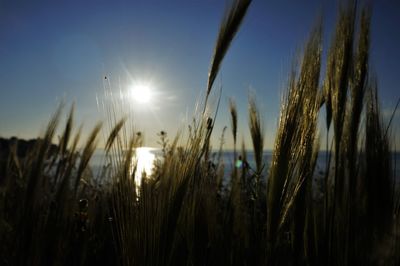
(144, 162)
(141, 92)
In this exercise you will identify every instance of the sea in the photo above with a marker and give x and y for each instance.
(145, 157)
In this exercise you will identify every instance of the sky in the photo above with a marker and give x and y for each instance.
(61, 51)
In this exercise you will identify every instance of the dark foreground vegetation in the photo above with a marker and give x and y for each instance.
(53, 212)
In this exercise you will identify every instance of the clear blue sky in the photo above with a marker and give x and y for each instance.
(61, 50)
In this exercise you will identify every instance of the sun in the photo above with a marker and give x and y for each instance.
(141, 92)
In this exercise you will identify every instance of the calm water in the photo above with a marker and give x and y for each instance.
(145, 157)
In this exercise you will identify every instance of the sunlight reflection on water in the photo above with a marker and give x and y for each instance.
(144, 162)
